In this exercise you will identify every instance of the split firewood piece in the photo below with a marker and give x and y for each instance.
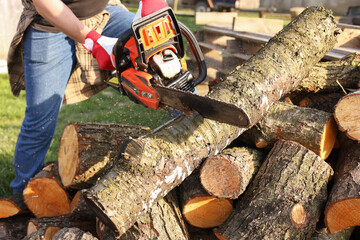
(332, 76)
(87, 150)
(285, 199)
(163, 159)
(14, 228)
(310, 127)
(227, 174)
(73, 234)
(323, 234)
(199, 208)
(162, 221)
(347, 115)
(51, 225)
(45, 196)
(12, 205)
(322, 101)
(342, 210)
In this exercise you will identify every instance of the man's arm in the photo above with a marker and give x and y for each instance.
(58, 14)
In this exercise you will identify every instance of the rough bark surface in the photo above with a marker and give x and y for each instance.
(285, 199)
(310, 127)
(227, 174)
(342, 209)
(87, 150)
(347, 115)
(199, 208)
(322, 101)
(14, 228)
(73, 234)
(323, 234)
(165, 158)
(332, 76)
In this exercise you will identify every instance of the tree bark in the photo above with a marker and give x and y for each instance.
(285, 199)
(59, 222)
(227, 174)
(73, 234)
(342, 209)
(166, 157)
(312, 128)
(199, 208)
(87, 150)
(79, 208)
(332, 76)
(45, 196)
(347, 115)
(323, 234)
(322, 101)
(162, 221)
(13, 205)
(44, 233)
(14, 228)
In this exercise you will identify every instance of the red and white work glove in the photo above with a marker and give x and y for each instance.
(147, 7)
(101, 48)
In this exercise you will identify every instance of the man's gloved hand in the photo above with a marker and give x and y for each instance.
(101, 48)
(147, 7)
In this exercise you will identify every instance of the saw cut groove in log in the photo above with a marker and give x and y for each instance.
(347, 115)
(332, 76)
(227, 174)
(44, 194)
(87, 150)
(342, 209)
(171, 153)
(13, 205)
(199, 208)
(312, 128)
(285, 199)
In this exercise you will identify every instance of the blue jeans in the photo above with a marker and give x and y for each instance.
(49, 59)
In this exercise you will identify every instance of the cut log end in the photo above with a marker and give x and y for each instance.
(347, 115)
(68, 155)
(328, 138)
(219, 236)
(220, 178)
(8, 208)
(45, 198)
(299, 217)
(343, 214)
(207, 211)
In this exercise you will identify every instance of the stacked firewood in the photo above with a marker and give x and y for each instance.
(294, 174)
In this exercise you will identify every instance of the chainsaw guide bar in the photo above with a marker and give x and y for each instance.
(205, 106)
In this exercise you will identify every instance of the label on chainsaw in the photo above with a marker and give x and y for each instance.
(207, 107)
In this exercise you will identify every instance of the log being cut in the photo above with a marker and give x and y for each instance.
(150, 167)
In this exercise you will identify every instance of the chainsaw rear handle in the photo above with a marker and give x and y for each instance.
(195, 48)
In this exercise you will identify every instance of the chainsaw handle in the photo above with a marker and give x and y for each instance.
(195, 48)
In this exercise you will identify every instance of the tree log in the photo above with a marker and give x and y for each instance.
(285, 199)
(322, 101)
(347, 115)
(227, 174)
(323, 234)
(79, 208)
(166, 157)
(342, 209)
(53, 224)
(45, 196)
(199, 208)
(73, 234)
(332, 76)
(14, 228)
(87, 150)
(44, 233)
(13, 205)
(312, 128)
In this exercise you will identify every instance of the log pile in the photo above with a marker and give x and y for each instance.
(195, 178)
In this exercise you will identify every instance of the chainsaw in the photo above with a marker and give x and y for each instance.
(151, 69)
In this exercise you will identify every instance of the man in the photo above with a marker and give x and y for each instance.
(52, 57)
